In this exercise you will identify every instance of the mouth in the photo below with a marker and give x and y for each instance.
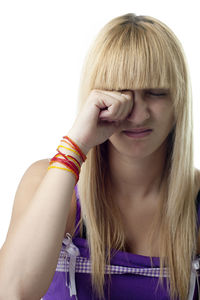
(139, 130)
(137, 133)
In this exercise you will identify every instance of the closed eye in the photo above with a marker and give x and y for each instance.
(157, 94)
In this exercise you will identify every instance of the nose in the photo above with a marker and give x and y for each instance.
(140, 112)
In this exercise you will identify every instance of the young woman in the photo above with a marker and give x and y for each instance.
(114, 214)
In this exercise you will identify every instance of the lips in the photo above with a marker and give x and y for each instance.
(138, 135)
(139, 130)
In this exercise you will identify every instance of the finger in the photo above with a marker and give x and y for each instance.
(107, 104)
(117, 94)
(104, 100)
(125, 107)
(126, 96)
(114, 105)
(112, 111)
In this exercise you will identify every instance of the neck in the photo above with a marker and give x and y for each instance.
(136, 178)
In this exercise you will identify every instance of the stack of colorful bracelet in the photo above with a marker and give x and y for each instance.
(71, 163)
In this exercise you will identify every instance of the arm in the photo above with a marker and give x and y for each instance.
(29, 256)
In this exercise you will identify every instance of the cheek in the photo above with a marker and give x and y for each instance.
(167, 120)
(164, 111)
(170, 115)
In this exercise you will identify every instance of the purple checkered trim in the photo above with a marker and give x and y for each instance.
(71, 262)
(83, 265)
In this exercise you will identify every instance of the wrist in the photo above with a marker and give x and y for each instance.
(74, 155)
(79, 143)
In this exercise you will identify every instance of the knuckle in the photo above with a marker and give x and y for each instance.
(114, 110)
(127, 95)
(116, 106)
(127, 98)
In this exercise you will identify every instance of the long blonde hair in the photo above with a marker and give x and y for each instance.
(132, 52)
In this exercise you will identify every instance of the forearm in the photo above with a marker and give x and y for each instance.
(29, 256)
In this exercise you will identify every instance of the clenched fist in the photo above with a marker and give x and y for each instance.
(100, 117)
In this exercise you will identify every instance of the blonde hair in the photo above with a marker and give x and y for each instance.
(133, 52)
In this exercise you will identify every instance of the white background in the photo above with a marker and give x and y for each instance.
(42, 48)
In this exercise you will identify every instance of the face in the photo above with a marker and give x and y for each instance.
(152, 109)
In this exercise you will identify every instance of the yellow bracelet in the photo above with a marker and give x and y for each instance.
(60, 156)
(75, 163)
(66, 142)
(50, 167)
(69, 149)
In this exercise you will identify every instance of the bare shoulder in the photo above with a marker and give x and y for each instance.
(26, 189)
(28, 185)
(32, 177)
(39, 167)
(34, 174)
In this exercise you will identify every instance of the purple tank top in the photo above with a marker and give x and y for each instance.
(133, 277)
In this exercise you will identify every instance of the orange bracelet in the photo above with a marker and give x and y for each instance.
(71, 157)
(71, 163)
(83, 156)
(67, 162)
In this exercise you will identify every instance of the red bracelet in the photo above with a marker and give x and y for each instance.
(83, 156)
(68, 164)
(61, 153)
(66, 157)
(74, 159)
